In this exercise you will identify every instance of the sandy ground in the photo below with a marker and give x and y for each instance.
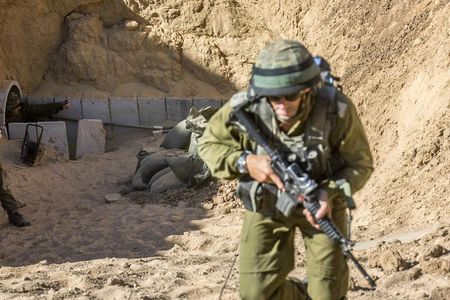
(182, 245)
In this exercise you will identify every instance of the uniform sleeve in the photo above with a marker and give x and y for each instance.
(350, 140)
(42, 110)
(221, 145)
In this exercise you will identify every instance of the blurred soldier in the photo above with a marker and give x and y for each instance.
(318, 124)
(18, 111)
(10, 204)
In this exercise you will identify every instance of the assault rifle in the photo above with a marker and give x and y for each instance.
(300, 188)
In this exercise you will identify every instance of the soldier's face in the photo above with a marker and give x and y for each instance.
(286, 107)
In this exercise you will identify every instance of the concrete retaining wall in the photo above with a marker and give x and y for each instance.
(143, 112)
(136, 112)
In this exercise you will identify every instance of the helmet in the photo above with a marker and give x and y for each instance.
(283, 67)
(13, 100)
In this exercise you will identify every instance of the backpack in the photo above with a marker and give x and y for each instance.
(325, 73)
(324, 115)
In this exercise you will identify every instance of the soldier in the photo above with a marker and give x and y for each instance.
(10, 204)
(18, 111)
(295, 106)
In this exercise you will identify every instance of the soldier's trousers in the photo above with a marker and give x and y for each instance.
(7, 200)
(267, 256)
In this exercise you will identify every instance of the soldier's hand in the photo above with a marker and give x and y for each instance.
(324, 210)
(66, 104)
(259, 169)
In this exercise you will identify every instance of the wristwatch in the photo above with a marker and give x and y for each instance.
(241, 163)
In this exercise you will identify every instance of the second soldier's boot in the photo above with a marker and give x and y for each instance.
(16, 219)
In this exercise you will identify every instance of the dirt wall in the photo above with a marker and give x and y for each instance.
(393, 57)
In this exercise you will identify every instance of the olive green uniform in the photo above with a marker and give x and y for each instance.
(7, 200)
(34, 112)
(267, 237)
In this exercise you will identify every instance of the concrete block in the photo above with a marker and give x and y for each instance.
(200, 103)
(124, 111)
(54, 135)
(16, 131)
(177, 109)
(96, 109)
(74, 112)
(91, 138)
(152, 111)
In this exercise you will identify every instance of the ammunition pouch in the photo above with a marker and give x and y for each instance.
(346, 193)
(316, 159)
(250, 193)
(257, 197)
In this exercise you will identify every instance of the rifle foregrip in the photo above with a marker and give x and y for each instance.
(325, 223)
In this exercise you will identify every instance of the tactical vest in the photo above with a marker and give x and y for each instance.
(311, 149)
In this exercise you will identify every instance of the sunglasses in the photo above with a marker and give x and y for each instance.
(290, 97)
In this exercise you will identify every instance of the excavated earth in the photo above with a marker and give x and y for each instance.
(393, 57)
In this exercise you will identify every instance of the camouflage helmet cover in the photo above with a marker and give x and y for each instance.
(283, 67)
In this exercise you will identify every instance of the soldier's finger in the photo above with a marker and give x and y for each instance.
(322, 212)
(310, 218)
(275, 179)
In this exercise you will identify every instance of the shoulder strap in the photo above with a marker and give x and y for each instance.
(322, 119)
(263, 114)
